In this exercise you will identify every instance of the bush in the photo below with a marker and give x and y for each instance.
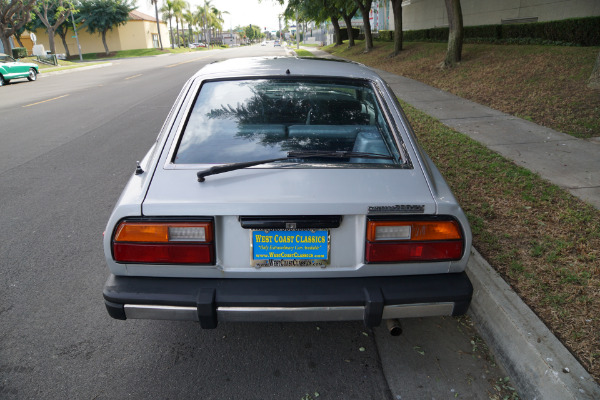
(579, 31)
(19, 52)
(483, 31)
(576, 31)
(344, 33)
(386, 36)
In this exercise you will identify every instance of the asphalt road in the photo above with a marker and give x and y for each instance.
(69, 143)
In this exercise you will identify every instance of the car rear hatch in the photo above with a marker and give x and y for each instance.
(291, 200)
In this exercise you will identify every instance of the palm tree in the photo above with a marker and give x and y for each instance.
(217, 21)
(178, 7)
(207, 18)
(155, 2)
(190, 18)
(167, 14)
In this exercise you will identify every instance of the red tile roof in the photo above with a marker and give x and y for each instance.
(140, 16)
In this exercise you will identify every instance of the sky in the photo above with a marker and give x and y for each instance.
(241, 12)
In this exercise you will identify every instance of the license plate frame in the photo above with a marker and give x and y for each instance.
(290, 248)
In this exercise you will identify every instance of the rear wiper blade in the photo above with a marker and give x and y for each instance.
(219, 169)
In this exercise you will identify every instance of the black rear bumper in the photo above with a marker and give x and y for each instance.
(207, 295)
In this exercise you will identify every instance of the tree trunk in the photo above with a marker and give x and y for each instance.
(177, 25)
(455, 34)
(364, 10)
(171, 33)
(158, 24)
(50, 31)
(337, 30)
(348, 21)
(6, 44)
(104, 42)
(397, 9)
(18, 37)
(594, 81)
(64, 42)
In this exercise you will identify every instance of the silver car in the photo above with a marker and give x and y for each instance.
(286, 189)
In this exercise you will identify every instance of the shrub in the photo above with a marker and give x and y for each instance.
(575, 31)
(387, 36)
(344, 33)
(19, 52)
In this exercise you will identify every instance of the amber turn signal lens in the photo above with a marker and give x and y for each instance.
(162, 232)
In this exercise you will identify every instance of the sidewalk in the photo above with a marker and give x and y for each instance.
(538, 363)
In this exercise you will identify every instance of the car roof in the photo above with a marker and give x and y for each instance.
(286, 67)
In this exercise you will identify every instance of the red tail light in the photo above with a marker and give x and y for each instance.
(413, 241)
(164, 242)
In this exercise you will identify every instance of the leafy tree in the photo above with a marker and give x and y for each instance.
(62, 29)
(320, 11)
(14, 14)
(52, 13)
(348, 10)
(455, 35)
(365, 7)
(253, 32)
(100, 16)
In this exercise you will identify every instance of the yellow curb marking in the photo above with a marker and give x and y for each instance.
(45, 101)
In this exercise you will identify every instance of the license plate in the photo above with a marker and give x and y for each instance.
(290, 248)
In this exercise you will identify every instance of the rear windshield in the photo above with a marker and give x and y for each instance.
(251, 120)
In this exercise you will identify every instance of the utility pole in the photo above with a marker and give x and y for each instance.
(297, 33)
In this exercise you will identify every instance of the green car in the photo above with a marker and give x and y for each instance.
(11, 69)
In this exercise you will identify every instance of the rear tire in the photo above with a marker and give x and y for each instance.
(2, 81)
(32, 75)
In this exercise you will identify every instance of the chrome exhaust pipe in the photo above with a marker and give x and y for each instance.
(394, 327)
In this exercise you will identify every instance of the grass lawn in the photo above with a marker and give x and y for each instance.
(544, 84)
(62, 64)
(303, 53)
(139, 53)
(541, 239)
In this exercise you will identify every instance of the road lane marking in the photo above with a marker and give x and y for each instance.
(134, 76)
(45, 101)
(184, 62)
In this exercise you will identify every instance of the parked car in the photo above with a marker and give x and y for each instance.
(286, 189)
(12, 69)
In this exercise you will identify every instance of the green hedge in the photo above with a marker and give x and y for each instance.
(19, 52)
(344, 33)
(576, 31)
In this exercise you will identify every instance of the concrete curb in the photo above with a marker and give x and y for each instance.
(66, 71)
(537, 362)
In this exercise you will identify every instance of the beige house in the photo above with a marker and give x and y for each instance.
(140, 32)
